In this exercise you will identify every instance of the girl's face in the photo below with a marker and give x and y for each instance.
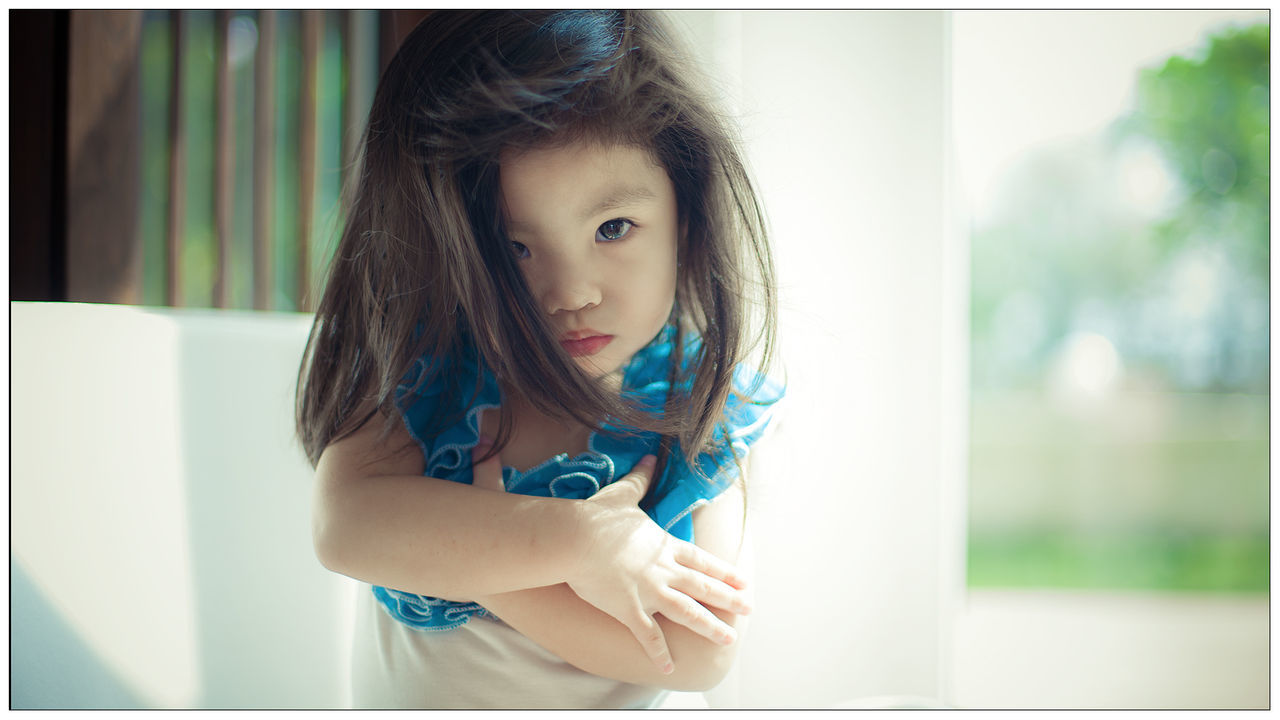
(594, 229)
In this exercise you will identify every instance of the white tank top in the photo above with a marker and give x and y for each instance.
(484, 663)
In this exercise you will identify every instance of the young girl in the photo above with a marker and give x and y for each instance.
(524, 393)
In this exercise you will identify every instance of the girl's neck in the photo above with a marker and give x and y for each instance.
(523, 410)
(536, 437)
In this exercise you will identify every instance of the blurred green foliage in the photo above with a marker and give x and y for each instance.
(199, 246)
(1210, 116)
(1153, 234)
(1179, 283)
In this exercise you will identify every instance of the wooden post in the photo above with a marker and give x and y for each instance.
(104, 248)
(264, 149)
(177, 164)
(358, 58)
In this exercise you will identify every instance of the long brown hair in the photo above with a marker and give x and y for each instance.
(423, 266)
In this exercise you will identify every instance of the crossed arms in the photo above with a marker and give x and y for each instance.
(594, 581)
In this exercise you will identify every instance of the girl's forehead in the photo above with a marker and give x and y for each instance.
(589, 149)
(579, 162)
(584, 179)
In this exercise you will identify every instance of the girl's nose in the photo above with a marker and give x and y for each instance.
(570, 286)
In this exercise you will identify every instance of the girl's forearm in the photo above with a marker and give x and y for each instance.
(439, 538)
(580, 634)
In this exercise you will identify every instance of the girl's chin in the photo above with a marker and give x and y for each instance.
(601, 368)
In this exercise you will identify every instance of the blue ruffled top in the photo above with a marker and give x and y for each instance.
(611, 454)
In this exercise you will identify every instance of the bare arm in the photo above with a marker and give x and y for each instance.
(377, 519)
(556, 618)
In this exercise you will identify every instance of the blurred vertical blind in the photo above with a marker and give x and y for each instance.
(1118, 184)
(249, 120)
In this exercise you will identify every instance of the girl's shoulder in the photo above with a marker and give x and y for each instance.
(749, 412)
(440, 399)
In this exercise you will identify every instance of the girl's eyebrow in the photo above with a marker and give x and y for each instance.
(619, 196)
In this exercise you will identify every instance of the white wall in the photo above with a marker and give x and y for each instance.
(161, 552)
(857, 501)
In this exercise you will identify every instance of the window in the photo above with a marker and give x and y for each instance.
(1118, 185)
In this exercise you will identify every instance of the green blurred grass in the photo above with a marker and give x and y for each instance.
(1167, 559)
(1148, 490)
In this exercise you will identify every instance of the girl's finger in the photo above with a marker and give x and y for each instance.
(649, 633)
(486, 474)
(710, 591)
(681, 608)
(695, 558)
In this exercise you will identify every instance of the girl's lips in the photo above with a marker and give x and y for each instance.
(582, 347)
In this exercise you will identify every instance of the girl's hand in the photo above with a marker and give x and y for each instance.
(631, 569)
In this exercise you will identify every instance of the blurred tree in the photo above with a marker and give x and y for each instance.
(1178, 282)
(1211, 118)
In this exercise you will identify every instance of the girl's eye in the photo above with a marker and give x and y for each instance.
(613, 230)
(519, 250)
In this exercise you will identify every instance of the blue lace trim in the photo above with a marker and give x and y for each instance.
(610, 455)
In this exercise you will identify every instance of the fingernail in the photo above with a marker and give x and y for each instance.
(727, 638)
(647, 462)
(668, 669)
(484, 442)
